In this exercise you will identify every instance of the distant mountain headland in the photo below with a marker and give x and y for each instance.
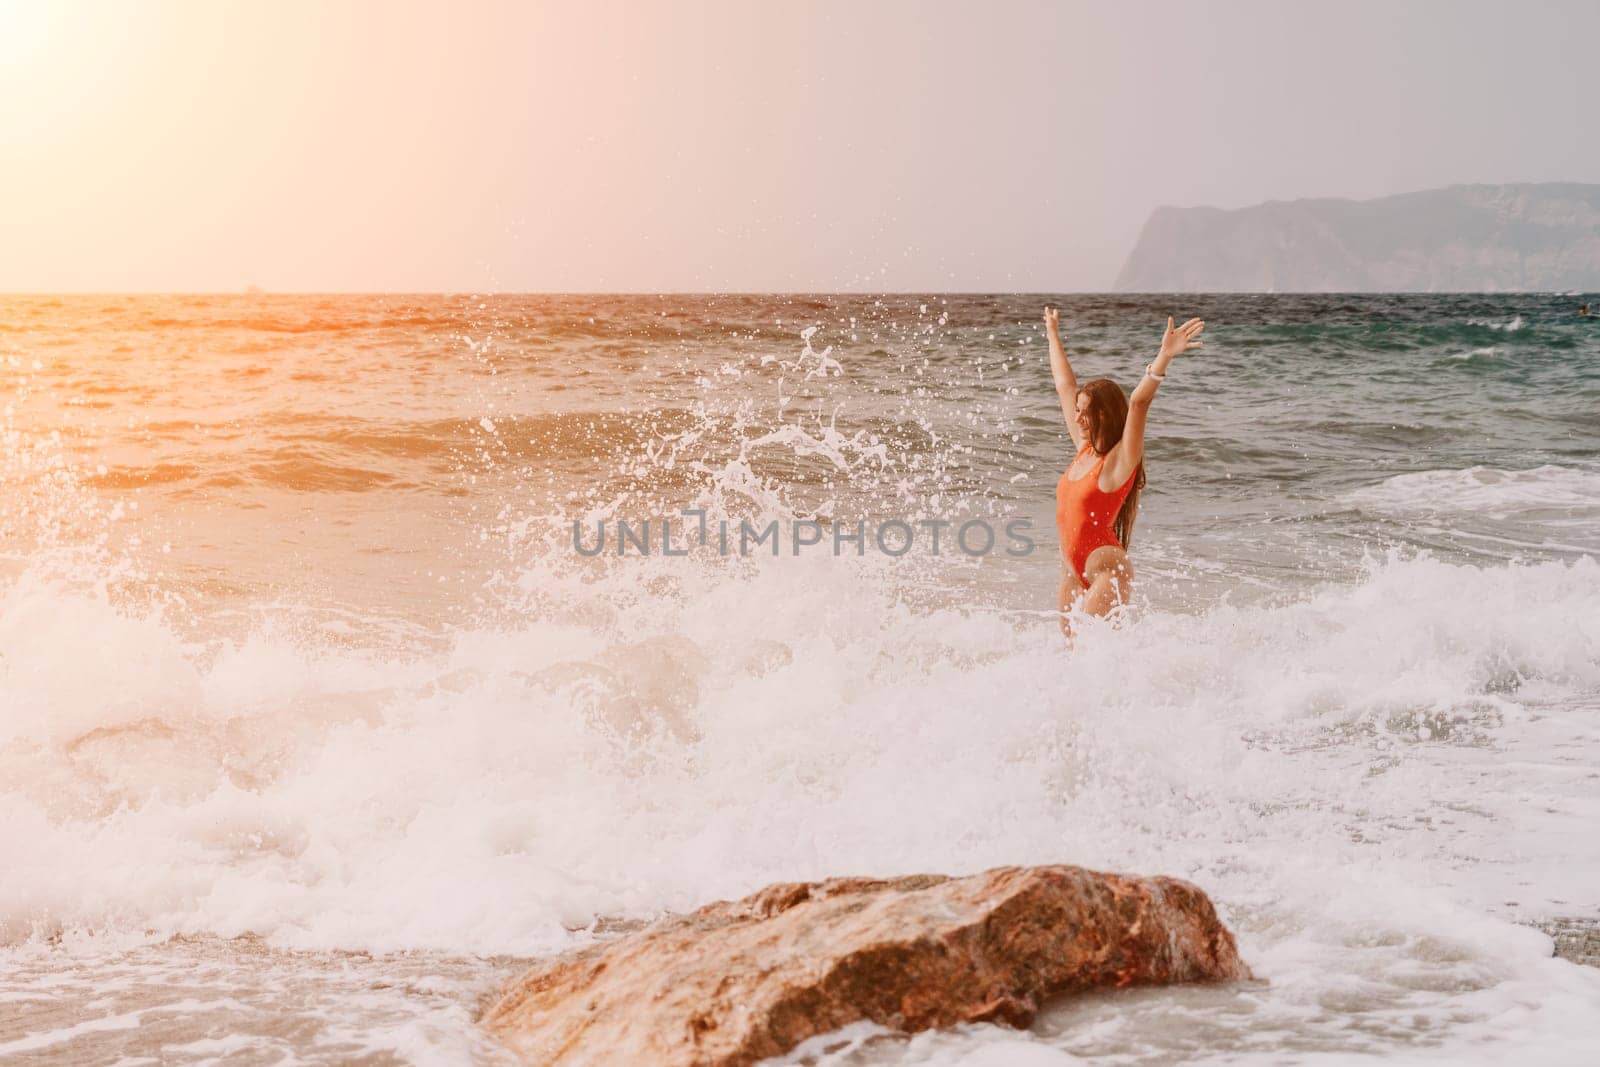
(1467, 238)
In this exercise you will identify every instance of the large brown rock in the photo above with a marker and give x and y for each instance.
(736, 982)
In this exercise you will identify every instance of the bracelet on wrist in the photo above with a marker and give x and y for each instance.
(1150, 372)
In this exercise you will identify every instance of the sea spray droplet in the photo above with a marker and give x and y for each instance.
(486, 424)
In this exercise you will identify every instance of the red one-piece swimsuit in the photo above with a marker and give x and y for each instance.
(1084, 513)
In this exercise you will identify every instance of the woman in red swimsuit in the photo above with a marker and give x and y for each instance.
(1097, 498)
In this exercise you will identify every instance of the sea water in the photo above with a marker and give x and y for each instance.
(316, 727)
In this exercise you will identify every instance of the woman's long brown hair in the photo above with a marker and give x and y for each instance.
(1108, 415)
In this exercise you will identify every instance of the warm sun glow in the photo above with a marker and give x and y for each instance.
(409, 145)
(27, 29)
(58, 64)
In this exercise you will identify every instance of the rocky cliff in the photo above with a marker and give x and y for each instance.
(1467, 238)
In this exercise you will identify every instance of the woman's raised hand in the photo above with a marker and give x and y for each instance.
(1052, 319)
(1178, 341)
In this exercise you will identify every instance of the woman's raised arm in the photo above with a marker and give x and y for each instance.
(1061, 371)
(1175, 342)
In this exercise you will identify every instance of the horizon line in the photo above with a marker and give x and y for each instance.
(482, 294)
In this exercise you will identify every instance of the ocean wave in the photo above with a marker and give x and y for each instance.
(657, 736)
(402, 721)
(1547, 493)
(1515, 323)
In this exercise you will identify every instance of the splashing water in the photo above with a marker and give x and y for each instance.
(316, 744)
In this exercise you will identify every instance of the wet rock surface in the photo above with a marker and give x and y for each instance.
(738, 981)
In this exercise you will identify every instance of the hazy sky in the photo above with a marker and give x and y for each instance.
(736, 146)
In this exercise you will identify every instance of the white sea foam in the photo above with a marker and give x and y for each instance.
(1512, 325)
(1547, 493)
(656, 736)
